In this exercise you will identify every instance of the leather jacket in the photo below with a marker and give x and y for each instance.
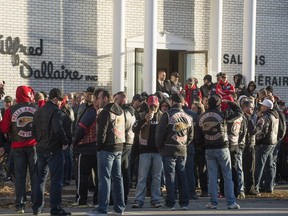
(111, 128)
(48, 129)
(269, 130)
(174, 132)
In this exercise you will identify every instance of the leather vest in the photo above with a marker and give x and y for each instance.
(21, 121)
(214, 128)
(269, 138)
(178, 123)
(90, 136)
(116, 129)
(234, 129)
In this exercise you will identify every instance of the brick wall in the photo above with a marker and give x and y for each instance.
(78, 35)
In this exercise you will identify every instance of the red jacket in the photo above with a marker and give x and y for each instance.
(224, 88)
(20, 121)
(193, 93)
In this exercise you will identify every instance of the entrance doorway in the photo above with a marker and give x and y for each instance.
(187, 63)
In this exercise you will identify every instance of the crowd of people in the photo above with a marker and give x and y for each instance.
(221, 137)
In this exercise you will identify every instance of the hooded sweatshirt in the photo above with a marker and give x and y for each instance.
(239, 86)
(250, 92)
(111, 128)
(18, 118)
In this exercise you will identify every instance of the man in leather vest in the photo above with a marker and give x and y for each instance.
(173, 134)
(85, 151)
(51, 141)
(149, 158)
(266, 140)
(17, 122)
(130, 119)
(110, 139)
(214, 131)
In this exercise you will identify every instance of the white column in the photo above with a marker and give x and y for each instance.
(215, 37)
(249, 39)
(118, 52)
(150, 42)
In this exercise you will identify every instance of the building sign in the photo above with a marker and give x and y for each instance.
(14, 48)
(262, 80)
(236, 59)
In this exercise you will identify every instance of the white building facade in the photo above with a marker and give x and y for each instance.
(74, 44)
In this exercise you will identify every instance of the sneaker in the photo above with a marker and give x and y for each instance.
(116, 213)
(136, 205)
(20, 211)
(252, 192)
(184, 208)
(60, 212)
(204, 194)
(241, 195)
(156, 205)
(171, 208)
(234, 206)
(221, 195)
(194, 197)
(77, 205)
(95, 212)
(37, 213)
(211, 206)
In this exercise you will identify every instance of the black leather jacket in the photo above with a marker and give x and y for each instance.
(213, 124)
(174, 132)
(48, 129)
(269, 130)
(111, 128)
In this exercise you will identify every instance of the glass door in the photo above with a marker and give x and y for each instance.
(196, 65)
(139, 57)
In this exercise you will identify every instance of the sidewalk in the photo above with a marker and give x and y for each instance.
(249, 206)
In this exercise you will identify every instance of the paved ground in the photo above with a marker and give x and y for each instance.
(249, 206)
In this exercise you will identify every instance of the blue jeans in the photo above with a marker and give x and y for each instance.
(240, 173)
(219, 158)
(109, 167)
(175, 166)
(190, 171)
(264, 159)
(55, 164)
(149, 161)
(24, 157)
(265, 183)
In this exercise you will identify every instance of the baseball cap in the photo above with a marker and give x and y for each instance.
(214, 101)
(268, 103)
(153, 100)
(8, 99)
(137, 97)
(144, 94)
(208, 77)
(55, 92)
(90, 89)
(219, 74)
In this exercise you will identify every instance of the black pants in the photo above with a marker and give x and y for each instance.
(201, 166)
(85, 165)
(125, 168)
(248, 163)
